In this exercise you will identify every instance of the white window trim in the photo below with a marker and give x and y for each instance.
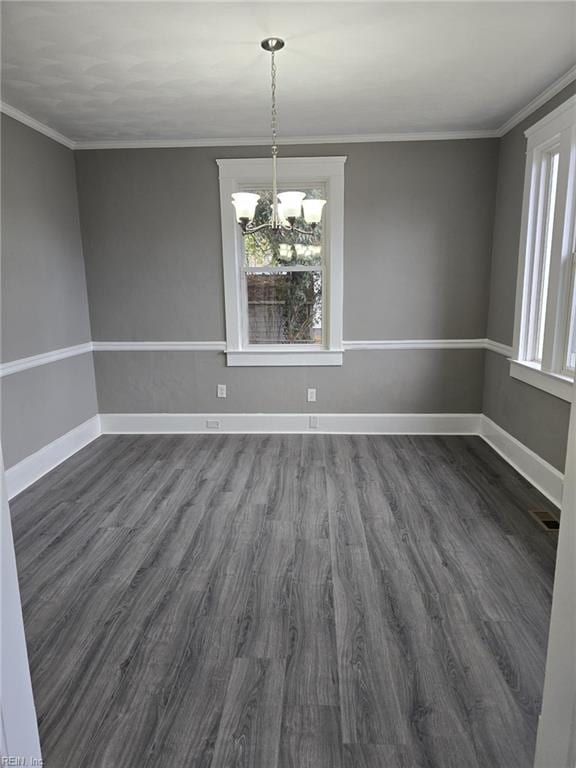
(554, 383)
(551, 376)
(571, 316)
(238, 172)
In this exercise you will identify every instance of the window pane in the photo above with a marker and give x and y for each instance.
(267, 248)
(284, 307)
(543, 251)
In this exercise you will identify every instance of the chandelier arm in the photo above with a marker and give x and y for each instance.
(250, 230)
(308, 232)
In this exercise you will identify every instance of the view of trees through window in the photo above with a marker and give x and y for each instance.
(284, 280)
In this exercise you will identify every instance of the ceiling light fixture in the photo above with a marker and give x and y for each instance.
(287, 207)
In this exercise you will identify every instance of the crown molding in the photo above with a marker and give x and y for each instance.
(536, 103)
(558, 116)
(493, 133)
(263, 141)
(31, 122)
(257, 141)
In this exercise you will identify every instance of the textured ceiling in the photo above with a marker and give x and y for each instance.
(177, 70)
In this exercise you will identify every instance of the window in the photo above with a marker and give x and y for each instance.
(283, 292)
(544, 334)
(283, 279)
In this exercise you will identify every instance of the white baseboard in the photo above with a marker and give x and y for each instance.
(33, 467)
(336, 423)
(542, 475)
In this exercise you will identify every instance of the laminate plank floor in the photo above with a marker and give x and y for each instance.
(286, 601)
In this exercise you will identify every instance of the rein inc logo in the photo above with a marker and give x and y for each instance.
(21, 762)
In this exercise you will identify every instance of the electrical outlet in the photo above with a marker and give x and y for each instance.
(313, 422)
(311, 395)
(221, 390)
(212, 424)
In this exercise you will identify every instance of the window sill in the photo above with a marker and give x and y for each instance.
(287, 356)
(553, 383)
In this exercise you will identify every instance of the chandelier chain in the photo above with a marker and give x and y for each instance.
(245, 202)
(274, 121)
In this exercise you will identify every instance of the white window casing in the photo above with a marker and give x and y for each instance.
(570, 333)
(554, 134)
(236, 174)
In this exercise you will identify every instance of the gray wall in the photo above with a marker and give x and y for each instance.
(418, 228)
(44, 301)
(410, 381)
(534, 417)
(431, 249)
(537, 419)
(43, 282)
(43, 403)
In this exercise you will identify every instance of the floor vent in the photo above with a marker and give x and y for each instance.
(545, 519)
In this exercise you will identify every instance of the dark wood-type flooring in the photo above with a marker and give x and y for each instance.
(285, 600)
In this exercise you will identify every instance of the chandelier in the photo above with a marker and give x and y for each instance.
(287, 207)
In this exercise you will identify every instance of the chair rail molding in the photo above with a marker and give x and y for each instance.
(159, 346)
(44, 358)
(22, 364)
